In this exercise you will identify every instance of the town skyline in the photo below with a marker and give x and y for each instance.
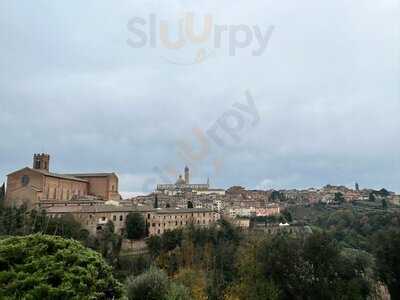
(163, 179)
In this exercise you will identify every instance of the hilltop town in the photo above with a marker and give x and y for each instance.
(195, 240)
(93, 199)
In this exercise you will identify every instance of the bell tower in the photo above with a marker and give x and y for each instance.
(186, 175)
(41, 162)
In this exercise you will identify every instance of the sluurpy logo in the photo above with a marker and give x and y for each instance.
(154, 33)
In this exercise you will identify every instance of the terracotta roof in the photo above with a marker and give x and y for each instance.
(182, 210)
(91, 175)
(93, 209)
(62, 176)
(114, 208)
(46, 173)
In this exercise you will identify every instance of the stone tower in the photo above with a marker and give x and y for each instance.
(41, 162)
(187, 175)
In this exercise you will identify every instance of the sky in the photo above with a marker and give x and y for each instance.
(274, 94)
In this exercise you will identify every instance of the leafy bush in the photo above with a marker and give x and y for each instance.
(178, 292)
(155, 285)
(50, 267)
(152, 285)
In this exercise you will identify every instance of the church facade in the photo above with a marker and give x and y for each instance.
(37, 185)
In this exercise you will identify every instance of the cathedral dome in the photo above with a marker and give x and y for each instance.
(180, 180)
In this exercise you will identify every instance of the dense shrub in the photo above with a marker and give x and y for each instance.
(49, 267)
(152, 285)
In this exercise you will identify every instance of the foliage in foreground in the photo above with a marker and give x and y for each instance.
(387, 251)
(284, 267)
(221, 263)
(155, 285)
(49, 267)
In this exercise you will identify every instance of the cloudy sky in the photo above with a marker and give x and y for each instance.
(97, 85)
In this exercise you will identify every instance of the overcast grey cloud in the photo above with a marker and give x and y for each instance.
(326, 88)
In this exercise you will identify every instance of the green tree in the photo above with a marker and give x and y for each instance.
(14, 221)
(194, 281)
(171, 239)
(135, 226)
(322, 256)
(109, 243)
(50, 267)
(339, 198)
(312, 268)
(287, 215)
(2, 194)
(152, 285)
(154, 244)
(156, 201)
(384, 203)
(371, 197)
(282, 262)
(66, 226)
(250, 282)
(178, 292)
(133, 265)
(387, 253)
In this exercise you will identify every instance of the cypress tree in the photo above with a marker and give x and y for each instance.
(156, 201)
(2, 193)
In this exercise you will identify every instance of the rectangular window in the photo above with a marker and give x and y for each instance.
(121, 217)
(114, 218)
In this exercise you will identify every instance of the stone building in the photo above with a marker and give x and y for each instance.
(94, 218)
(31, 186)
(162, 220)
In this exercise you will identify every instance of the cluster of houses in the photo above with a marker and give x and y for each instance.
(93, 199)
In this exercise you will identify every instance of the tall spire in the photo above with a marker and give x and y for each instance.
(187, 176)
